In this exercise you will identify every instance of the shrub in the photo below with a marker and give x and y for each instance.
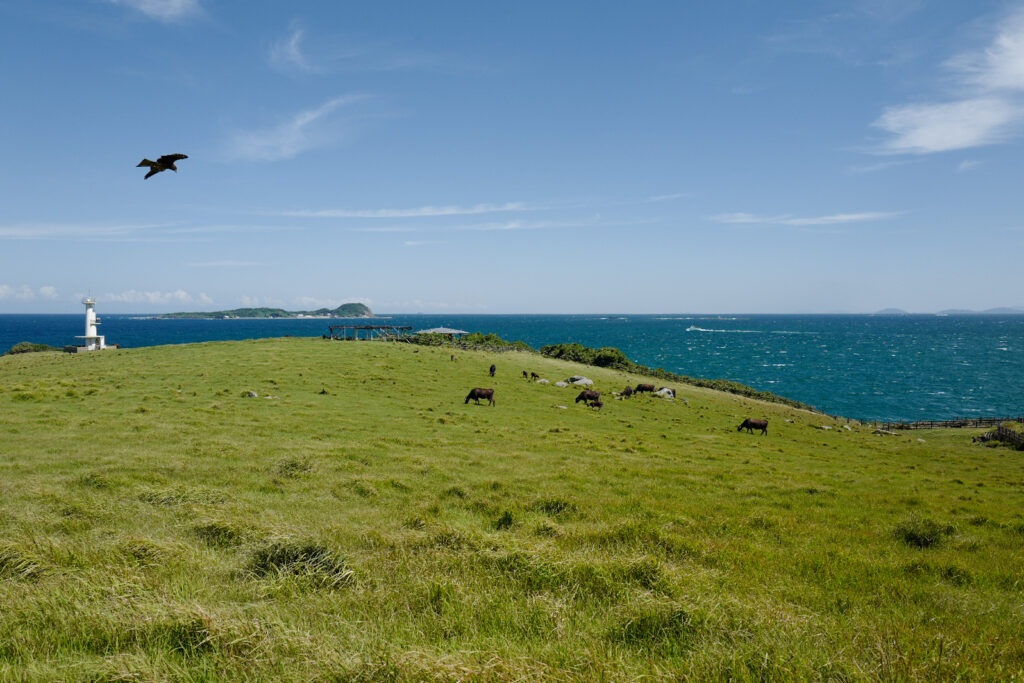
(29, 347)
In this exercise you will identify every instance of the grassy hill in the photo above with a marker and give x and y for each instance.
(358, 521)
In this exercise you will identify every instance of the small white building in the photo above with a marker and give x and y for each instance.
(93, 341)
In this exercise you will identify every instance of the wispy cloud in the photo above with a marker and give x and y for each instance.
(986, 108)
(668, 197)
(286, 54)
(26, 293)
(224, 264)
(162, 10)
(493, 226)
(299, 133)
(124, 233)
(966, 164)
(157, 298)
(46, 231)
(879, 166)
(786, 219)
(420, 212)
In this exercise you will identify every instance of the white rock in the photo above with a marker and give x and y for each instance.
(561, 384)
(542, 381)
(581, 380)
(847, 428)
(563, 407)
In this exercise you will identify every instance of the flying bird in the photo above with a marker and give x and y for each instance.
(162, 164)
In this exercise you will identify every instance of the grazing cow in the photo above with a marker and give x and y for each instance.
(627, 392)
(589, 395)
(493, 368)
(477, 394)
(751, 424)
(596, 404)
(534, 375)
(525, 376)
(641, 388)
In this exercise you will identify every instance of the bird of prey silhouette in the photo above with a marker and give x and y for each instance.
(162, 164)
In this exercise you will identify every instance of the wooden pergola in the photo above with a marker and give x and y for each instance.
(352, 332)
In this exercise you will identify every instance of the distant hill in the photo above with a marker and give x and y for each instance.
(350, 310)
(892, 311)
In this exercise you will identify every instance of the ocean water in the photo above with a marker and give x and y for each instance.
(914, 367)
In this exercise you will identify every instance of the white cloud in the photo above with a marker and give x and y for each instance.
(287, 52)
(966, 164)
(420, 212)
(300, 133)
(832, 219)
(987, 106)
(162, 10)
(928, 128)
(157, 298)
(26, 293)
(1000, 66)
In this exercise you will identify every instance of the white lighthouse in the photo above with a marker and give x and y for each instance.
(93, 341)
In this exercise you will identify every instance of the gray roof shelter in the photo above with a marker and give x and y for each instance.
(443, 330)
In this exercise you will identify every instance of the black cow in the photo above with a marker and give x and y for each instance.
(589, 395)
(750, 424)
(596, 404)
(525, 376)
(534, 375)
(627, 392)
(493, 368)
(641, 388)
(477, 394)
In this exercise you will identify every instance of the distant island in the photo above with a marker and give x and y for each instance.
(1005, 310)
(351, 310)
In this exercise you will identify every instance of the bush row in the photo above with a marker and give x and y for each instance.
(29, 347)
(605, 357)
(610, 357)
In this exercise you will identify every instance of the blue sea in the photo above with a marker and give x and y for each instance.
(914, 367)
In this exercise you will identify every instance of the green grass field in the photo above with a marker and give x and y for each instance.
(363, 523)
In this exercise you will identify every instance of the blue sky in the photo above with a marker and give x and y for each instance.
(528, 157)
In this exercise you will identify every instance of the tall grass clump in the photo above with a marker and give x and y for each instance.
(921, 532)
(302, 559)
